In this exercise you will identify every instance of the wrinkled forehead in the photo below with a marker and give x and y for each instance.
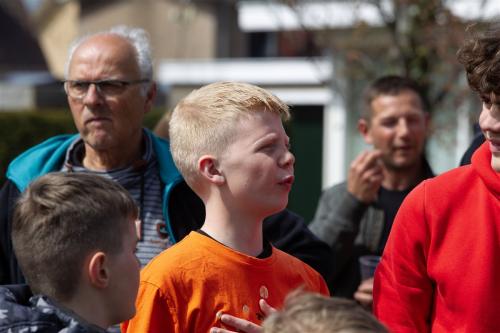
(104, 52)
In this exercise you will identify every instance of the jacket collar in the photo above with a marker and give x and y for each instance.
(49, 156)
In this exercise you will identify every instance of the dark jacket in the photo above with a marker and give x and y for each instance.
(477, 141)
(183, 209)
(352, 229)
(20, 311)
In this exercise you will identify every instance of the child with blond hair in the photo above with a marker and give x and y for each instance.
(228, 141)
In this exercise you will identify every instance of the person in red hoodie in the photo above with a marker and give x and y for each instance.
(440, 268)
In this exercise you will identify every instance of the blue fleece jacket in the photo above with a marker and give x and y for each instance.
(49, 156)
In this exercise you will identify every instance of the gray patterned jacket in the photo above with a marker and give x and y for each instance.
(22, 312)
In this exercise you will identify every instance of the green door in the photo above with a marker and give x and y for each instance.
(306, 136)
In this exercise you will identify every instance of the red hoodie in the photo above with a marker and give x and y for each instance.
(440, 269)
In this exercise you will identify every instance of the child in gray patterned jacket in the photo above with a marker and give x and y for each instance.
(75, 238)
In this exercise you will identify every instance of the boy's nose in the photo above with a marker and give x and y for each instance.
(288, 159)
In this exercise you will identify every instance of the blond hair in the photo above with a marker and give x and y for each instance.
(314, 313)
(204, 121)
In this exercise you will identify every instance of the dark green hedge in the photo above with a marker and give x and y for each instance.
(21, 130)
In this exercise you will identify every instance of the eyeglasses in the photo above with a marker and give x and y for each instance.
(106, 88)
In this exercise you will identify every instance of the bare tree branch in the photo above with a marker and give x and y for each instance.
(421, 39)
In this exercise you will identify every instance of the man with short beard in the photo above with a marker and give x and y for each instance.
(355, 217)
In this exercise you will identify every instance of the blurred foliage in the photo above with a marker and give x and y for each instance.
(417, 38)
(22, 129)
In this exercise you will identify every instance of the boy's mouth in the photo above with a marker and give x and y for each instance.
(494, 141)
(288, 180)
(495, 146)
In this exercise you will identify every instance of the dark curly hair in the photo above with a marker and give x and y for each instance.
(480, 56)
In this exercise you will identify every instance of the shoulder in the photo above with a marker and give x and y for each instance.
(22, 313)
(294, 265)
(281, 228)
(298, 273)
(336, 194)
(48, 146)
(45, 157)
(175, 262)
(436, 199)
(336, 189)
(450, 182)
(337, 202)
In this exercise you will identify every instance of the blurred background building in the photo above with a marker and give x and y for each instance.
(315, 55)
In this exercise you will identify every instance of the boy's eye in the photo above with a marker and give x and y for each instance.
(268, 147)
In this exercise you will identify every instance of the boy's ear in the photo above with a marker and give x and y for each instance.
(207, 166)
(98, 273)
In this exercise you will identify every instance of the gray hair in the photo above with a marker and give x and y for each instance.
(138, 38)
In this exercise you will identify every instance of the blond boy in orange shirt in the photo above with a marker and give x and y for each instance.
(228, 141)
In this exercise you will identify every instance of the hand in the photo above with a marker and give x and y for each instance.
(364, 294)
(243, 325)
(365, 176)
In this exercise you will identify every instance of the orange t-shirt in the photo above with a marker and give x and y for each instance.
(187, 287)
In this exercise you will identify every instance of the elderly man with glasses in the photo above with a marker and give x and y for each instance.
(109, 84)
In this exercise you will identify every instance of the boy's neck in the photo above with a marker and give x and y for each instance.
(88, 309)
(236, 231)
